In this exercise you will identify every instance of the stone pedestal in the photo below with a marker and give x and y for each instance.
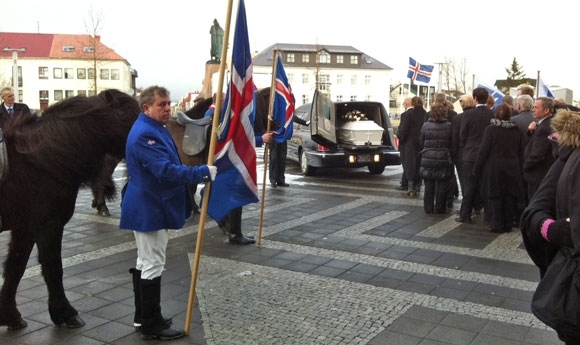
(208, 89)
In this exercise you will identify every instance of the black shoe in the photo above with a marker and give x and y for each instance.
(461, 220)
(241, 239)
(273, 184)
(166, 334)
(403, 187)
(282, 184)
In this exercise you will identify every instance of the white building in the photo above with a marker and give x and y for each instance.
(343, 72)
(52, 67)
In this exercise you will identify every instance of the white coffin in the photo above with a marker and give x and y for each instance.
(361, 133)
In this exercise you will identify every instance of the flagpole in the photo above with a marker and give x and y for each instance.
(270, 111)
(210, 158)
(538, 85)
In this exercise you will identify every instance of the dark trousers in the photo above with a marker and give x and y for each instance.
(234, 219)
(278, 152)
(435, 195)
(502, 213)
(471, 193)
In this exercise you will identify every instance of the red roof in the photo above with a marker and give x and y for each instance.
(51, 46)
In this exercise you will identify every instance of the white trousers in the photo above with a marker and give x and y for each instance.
(151, 248)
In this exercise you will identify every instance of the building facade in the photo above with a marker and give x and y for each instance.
(343, 72)
(52, 67)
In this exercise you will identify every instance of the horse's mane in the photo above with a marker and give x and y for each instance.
(71, 136)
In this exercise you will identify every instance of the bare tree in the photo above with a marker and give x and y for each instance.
(92, 45)
(454, 74)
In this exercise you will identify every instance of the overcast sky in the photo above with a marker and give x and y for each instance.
(168, 42)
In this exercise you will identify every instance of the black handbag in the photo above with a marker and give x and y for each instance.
(556, 301)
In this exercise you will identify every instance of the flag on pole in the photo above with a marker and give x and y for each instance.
(236, 182)
(544, 90)
(283, 108)
(495, 93)
(419, 72)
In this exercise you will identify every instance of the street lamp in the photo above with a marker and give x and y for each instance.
(15, 52)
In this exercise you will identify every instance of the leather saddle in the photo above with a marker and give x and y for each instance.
(196, 133)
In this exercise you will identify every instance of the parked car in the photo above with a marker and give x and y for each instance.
(319, 141)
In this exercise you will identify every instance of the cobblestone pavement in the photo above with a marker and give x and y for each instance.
(345, 258)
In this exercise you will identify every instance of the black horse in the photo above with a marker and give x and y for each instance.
(50, 157)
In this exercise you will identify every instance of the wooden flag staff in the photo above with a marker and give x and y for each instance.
(210, 159)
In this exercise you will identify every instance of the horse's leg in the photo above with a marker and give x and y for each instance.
(20, 247)
(99, 202)
(49, 256)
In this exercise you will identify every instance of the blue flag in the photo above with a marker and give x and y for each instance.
(544, 90)
(283, 108)
(236, 182)
(418, 72)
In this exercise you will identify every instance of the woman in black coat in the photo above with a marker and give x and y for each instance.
(436, 164)
(499, 163)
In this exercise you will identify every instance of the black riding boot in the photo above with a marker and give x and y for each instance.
(153, 325)
(136, 274)
(235, 224)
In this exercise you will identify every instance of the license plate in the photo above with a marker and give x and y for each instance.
(363, 158)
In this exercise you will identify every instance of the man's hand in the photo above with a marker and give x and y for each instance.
(267, 137)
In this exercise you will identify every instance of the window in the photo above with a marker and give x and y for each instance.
(338, 79)
(104, 74)
(81, 92)
(81, 73)
(368, 79)
(89, 49)
(353, 98)
(114, 74)
(91, 73)
(305, 58)
(339, 98)
(304, 78)
(57, 95)
(57, 73)
(305, 99)
(69, 93)
(68, 49)
(20, 79)
(368, 98)
(42, 72)
(323, 82)
(290, 57)
(43, 96)
(92, 93)
(354, 60)
(340, 59)
(69, 73)
(323, 57)
(290, 78)
(353, 79)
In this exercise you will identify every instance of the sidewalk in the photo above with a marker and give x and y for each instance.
(344, 259)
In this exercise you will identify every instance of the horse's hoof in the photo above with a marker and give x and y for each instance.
(73, 322)
(18, 324)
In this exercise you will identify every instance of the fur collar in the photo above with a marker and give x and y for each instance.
(567, 124)
(502, 123)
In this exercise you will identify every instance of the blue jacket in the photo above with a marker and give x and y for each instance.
(156, 195)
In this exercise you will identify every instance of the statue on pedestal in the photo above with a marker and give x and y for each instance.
(217, 40)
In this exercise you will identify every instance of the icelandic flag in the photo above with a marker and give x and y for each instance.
(418, 72)
(544, 90)
(236, 182)
(283, 108)
(495, 93)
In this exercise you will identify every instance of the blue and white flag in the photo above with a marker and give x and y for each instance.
(419, 72)
(544, 90)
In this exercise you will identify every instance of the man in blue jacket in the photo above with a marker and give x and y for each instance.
(155, 200)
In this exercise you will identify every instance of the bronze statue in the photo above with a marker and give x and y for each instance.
(217, 39)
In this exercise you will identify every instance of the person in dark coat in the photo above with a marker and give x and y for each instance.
(408, 108)
(466, 102)
(550, 225)
(410, 131)
(498, 165)
(473, 124)
(538, 154)
(436, 164)
(10, 109)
